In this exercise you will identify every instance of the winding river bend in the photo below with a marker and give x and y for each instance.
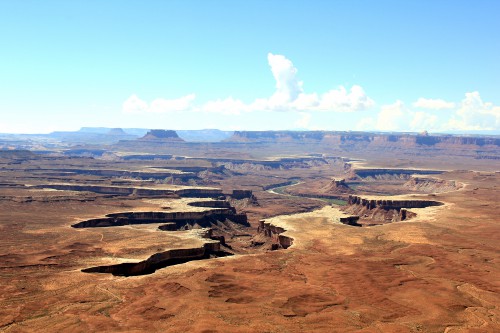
(280, 189)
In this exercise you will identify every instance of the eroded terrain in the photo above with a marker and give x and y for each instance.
(250, 237)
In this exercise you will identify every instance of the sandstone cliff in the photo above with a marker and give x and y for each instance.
(363, 139)
(163, 135)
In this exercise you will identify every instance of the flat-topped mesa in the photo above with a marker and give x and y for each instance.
(350, 220)
(386, 173)
(364, 139)
(391, 203)
(276, 136)
(338, 186)
(163, 135)
(242, 194)
(162, 259)
(182, 219)
(378, 211)
(432, 185)
(117, 132)
(139, 191)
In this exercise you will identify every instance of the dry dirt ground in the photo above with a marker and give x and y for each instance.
(437, 272)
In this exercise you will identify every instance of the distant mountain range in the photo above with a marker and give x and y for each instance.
(107, 135)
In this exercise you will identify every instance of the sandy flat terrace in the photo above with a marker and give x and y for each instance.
(400, 197)
(134, 243)
(156, 187)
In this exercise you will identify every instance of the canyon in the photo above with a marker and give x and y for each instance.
(276, 231)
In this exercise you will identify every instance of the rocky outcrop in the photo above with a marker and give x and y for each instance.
(145, 174)
(138, 191)
(199, 193)
(217, 210)
(350, 220)
(363, 139)
(161, 260)
(181, 219)
(337, 186)
(242, 194)
(212, 204)
(386, 174)
(258, 165)
(275, 233)
(385, 210)
(117, 132)
(275, 136)
(163, 135)
(391, 203)
(431, 185)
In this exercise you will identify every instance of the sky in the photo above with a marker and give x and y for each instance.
(250, 65)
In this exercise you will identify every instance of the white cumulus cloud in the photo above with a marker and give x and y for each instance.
(341, 100)
(288, 87)
(288, 96)
(423, 121)
(134, 104)
(392, 117)
(433, 104)
(474, 114)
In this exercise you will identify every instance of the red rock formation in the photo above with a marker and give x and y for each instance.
(164, 135)
(363, 139)
(116, 132)
(241, 194)
(385, 210)
(275, 233)
(337, 186)
(431, 185)
(158, 260)
(390, 203)
(138, 191)
(180, 218)
(350, 220)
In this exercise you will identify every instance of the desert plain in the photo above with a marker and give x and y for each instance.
(260, 232)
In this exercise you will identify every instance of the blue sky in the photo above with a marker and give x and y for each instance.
(256, 65)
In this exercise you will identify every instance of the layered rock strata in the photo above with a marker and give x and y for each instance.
(391, 203)
(385, 210)
(162, 135)
(138, 191)
(363, 138)
(181, 219)
(275, 233)
(211, 249)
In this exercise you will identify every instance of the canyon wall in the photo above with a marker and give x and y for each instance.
(377, 211)
(363, 139)
(390, 203)
(275, 233)
(159, 260)
(138, 191)
(181, 219)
